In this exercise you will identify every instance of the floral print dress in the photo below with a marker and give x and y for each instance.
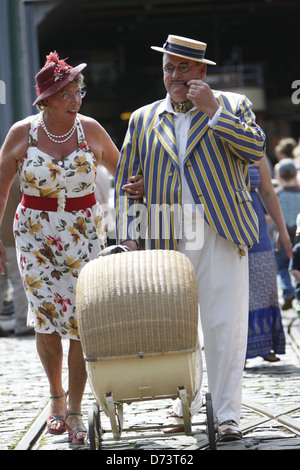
(52, 247)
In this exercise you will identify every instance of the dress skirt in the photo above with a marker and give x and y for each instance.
(265, 330)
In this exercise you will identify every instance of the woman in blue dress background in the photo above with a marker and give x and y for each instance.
(265, 334)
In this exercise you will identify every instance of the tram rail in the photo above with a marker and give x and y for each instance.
(263, 414)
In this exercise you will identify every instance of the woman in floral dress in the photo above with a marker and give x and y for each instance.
(58, 226)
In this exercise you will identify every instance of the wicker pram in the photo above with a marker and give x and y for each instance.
(138, 323)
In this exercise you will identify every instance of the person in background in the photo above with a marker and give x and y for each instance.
(265, 333)
(58, 226)
(294, 265)
(19, 299)
(288, 193)
(285, 148)
(193, 149)
(296, 157)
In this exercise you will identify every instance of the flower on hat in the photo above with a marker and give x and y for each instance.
(61, 69)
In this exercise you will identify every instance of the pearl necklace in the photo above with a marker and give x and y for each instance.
(54, 137)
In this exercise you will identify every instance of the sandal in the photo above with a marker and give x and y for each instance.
(271, 357)
(73, 432)
(61, 418)
(175, 424)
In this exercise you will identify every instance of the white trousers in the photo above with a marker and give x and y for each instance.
(222, 276)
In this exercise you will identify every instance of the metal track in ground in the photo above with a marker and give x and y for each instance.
(283, 418)
(265, 414)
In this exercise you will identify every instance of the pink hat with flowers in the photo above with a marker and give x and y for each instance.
(54, 76)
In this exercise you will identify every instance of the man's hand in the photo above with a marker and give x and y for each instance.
(131, 244)
(201, 95)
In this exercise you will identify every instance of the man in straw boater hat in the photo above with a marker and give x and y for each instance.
(193, 149)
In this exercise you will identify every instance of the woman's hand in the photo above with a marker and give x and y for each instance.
(135, 189)
(283, 239)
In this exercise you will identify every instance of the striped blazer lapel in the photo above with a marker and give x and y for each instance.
(199, 125)
(166, 135)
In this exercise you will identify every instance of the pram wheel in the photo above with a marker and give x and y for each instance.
(210, 422)
(95, 428)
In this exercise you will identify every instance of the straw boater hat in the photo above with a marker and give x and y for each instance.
(54, 76)
(184, 47)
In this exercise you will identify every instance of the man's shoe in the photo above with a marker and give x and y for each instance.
(229, 431)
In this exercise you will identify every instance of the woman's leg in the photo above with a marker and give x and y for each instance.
(50, 351)
(77, 382)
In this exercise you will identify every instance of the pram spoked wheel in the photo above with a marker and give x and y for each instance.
(95, 439)
(211, 429)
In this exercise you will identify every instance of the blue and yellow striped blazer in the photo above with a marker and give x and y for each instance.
(215, 166)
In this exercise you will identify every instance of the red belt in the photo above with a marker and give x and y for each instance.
(51, 204)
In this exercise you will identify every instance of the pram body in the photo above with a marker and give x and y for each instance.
(138, 323)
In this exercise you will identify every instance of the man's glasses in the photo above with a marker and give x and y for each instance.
(183, 68)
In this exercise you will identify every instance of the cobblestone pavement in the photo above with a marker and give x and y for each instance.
(24, 395)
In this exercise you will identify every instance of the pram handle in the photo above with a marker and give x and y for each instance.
(111, 250)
